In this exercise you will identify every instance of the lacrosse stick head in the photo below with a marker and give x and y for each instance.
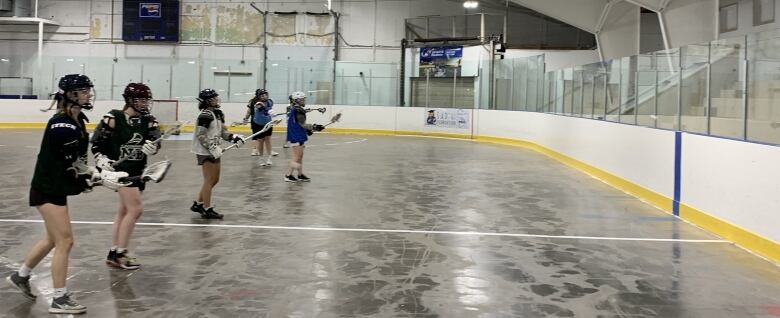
(335, 118)
(156, 172)
(322, 110)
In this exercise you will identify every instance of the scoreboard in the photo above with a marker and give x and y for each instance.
(154, 21)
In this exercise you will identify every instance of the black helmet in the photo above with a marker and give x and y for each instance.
(261, 91)
(205, 94)
(72, 82)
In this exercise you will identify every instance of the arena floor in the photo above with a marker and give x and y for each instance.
(389, 227)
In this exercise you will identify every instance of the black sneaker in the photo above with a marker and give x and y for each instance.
(22, 284)
(211, 214)
(197, 207)
(66, 305)
(121, 260)
(111, 257)
(303, 178)
(290, 178)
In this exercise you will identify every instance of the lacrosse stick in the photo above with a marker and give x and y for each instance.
(239, 123)
(333, 120)
(154, 172)
(168, 132)
(265, 128)
(321, 110)
(51, 106)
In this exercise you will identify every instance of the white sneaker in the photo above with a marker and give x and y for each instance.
(268, 162)
(274, 153)
(255, 153)
(286, 145)
(263, 164)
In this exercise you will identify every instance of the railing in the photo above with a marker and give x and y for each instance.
(728, 88)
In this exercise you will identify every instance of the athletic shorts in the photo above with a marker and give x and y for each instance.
(138, 184)
(39, 198)
(256, 128)
(204, 158)
(297, 143)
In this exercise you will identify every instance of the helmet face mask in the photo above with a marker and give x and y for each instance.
(208, 98)
(77, 89)
(141, 105)
(213, 102)
(138, 96)
(298, 98)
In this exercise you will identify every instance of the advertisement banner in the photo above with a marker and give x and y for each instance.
(451, 118)
(441, 61)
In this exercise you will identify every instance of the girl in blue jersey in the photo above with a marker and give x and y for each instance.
(297, 135)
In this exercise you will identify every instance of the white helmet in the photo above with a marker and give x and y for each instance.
(298, 95)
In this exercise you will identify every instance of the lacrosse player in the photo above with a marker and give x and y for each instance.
(260, 112)
(61, 170)
(210, 128)
(127, 134)
(297, 134)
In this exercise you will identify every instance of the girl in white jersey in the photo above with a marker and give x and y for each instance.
(209, 130)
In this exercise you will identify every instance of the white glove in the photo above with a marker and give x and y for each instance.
(149, 148)
(103, 163)
(110, 179)
(80, 168)
(215, 151)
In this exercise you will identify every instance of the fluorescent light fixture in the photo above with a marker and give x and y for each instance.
(274, 64)
(190, 62)
(3, 60)
(69, 60)
(470, 4)
(213, 67)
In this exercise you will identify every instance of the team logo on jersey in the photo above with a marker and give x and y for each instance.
(132, 148)
(63, 125)
(136, 139)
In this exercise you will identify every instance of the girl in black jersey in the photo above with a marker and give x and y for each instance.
(60, 171)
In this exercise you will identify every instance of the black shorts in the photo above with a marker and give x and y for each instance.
(256, 128)
(203, 159)
(39, 198)
(137, 183)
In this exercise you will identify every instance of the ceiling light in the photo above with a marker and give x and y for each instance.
(470, 4)
(3, 60)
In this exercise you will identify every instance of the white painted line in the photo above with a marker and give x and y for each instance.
(304, 228)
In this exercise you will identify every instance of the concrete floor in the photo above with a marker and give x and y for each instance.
(389, 227)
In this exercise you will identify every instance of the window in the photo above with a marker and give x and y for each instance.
(728, 18)
(763, 12)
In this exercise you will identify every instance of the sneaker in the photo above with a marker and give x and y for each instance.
(22, 284)
(211, 214)
(263, 163)
(255, 152)
(303, 178)
(66, 305)
(121, 260)
(274, 153)
(268, 162)
(290, 178)
(197, 207)
(110, 257)
(286, 145)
